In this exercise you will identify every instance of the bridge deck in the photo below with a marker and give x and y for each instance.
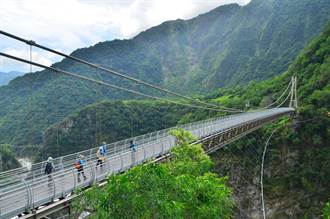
(23, 190)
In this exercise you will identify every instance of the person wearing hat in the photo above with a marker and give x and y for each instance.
(79, 165)
(49, 168)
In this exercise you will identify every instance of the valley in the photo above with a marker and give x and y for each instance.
(239, 57)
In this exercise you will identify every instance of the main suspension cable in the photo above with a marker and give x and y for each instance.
(287, 97)
(33, 43)
(278, 99)
(105, 84)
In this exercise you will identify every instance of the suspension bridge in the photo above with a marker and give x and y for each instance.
(29, 193)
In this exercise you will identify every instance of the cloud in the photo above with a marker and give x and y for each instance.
(67, 23)
(37, 56)
(71, 24)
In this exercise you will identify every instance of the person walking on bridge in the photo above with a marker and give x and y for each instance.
(133, 149)
(101, 153)
(49, 169)
(132, 146)
(79, 165)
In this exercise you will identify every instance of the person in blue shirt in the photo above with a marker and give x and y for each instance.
(103, 148)
(79, 165)
(133, 149)
(101, 153)
(132, 146)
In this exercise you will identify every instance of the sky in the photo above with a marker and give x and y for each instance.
(66, 25)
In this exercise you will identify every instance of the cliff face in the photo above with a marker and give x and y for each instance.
(297, 167)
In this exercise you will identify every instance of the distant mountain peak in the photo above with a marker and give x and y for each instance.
(6, 77)
(228, 46)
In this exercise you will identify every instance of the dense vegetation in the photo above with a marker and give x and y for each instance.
(181, 188)
(326, 211)
(7, 158)
(110, 122)
(298, 164)
(113, 121)
(298, 160)
(229, 45)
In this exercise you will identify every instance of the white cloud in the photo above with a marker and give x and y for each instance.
(41, 57)
(71, 24)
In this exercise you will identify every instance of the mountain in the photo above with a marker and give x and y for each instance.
(110, 122)
(227, 46)
(297, 167)
(5, 77)
(113, 121)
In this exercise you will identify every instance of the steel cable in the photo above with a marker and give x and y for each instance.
(105, 84)
(33, 43)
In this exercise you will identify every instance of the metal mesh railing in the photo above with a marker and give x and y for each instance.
(23, 189)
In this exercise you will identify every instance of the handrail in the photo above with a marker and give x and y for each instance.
(119, 158)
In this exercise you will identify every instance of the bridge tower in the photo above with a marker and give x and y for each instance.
(293, 93)
(1, 168)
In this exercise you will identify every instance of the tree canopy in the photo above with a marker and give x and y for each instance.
(166, 190)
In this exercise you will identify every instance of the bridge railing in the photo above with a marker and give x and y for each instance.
(37, 169)
(33, 188)
(23, 174)
(123, 145)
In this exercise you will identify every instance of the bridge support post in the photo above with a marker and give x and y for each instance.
(115, 147)
(295, 94)
(92, 174)
(28, 206)
(162, 146)
(74, 179)
(292, 91)
(62, 177)
(54, 189)
(121, 162)
(109, 166)
(153, 149)
(144, 154)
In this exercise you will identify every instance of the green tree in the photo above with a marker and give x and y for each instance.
(7, 158)
(165, 190)
(326, 211)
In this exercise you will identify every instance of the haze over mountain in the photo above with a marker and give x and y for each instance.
(296, 163)
(5, 77)
(229, 45)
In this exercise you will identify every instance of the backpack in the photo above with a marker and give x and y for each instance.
(102, 150)
(77, 165)
(49, 167)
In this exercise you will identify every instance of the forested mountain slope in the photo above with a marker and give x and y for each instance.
(229, 45)
(297, 163)
(110, 122)
(311, 67)
(131, 118)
